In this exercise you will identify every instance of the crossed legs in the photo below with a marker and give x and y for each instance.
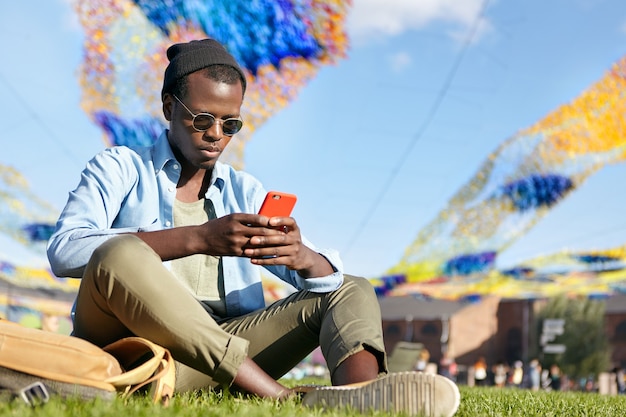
(127, 291)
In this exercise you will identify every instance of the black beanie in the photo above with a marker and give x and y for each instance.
(192, 56)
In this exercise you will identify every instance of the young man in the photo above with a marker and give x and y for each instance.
(168, 246)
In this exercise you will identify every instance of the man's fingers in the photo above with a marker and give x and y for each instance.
(280, 239)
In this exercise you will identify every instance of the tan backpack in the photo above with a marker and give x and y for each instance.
(35, 364)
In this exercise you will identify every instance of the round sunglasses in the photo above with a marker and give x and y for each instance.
(203, 121)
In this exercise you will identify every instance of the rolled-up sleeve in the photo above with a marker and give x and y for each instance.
(323, 284)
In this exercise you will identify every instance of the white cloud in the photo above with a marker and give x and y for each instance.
(400, 61)
(370, 18)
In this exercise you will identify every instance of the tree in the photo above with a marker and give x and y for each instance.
(587, 348)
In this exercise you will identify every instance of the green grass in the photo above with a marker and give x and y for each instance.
(494, 402)
(474, 402)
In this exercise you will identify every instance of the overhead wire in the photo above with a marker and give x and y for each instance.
(434, 109)
(34, 114)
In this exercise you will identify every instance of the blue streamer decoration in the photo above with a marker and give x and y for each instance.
(267, 30)
(129, 132)
(518, 272)
(469, 263)
(389, 282)
(39, 232)
(595, 259)
(7, 268)
(536, 191)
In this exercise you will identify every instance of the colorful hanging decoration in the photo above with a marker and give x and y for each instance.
(34, 291)
(455, 255)
(280, 44)
(27, 222)
(594, 274)
(24, 217)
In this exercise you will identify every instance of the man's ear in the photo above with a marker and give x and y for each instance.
(167, 106)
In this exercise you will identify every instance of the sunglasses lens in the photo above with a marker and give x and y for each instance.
(231, 126)
(203, 121)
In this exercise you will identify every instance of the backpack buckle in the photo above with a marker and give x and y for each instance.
(34, 394)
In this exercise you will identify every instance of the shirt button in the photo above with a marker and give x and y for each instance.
(175, 166)
(168, 223)
(171, 189)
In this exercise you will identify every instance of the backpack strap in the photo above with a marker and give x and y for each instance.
(143, 363)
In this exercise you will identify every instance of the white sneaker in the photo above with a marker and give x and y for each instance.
(414, 393)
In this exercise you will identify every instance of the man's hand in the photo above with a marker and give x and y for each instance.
(284, 247)
(231, 235)
(266, 241)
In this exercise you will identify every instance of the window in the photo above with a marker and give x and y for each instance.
(392, 330)
(620, 332)
(429, 329)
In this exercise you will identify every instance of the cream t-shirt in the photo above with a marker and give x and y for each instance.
(201, 274)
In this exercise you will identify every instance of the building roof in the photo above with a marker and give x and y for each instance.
(399, 308)
(616, 304)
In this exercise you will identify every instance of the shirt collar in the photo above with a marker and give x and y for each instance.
(219, 173)
(163, 154)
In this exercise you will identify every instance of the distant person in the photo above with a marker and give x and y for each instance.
(422, 360)
(620, 379)
(448, 367)
(169, 247)
(500, 373)
(480, 372)
(555, 377)
(517, 374)
(590, 384)
(534, 374)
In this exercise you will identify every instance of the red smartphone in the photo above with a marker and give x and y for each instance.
(277, 204)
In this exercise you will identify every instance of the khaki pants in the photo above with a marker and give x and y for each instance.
(127, 291)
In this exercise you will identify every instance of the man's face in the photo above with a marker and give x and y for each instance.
(195, 149)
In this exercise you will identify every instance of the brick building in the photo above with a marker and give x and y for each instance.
(498, 329)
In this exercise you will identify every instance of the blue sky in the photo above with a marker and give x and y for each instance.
(375, 145)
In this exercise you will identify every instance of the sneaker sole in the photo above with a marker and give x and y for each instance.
(413, 393)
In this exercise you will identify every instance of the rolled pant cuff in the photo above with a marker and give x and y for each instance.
(236, 353)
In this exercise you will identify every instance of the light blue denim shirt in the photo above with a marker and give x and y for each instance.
(125, 189)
